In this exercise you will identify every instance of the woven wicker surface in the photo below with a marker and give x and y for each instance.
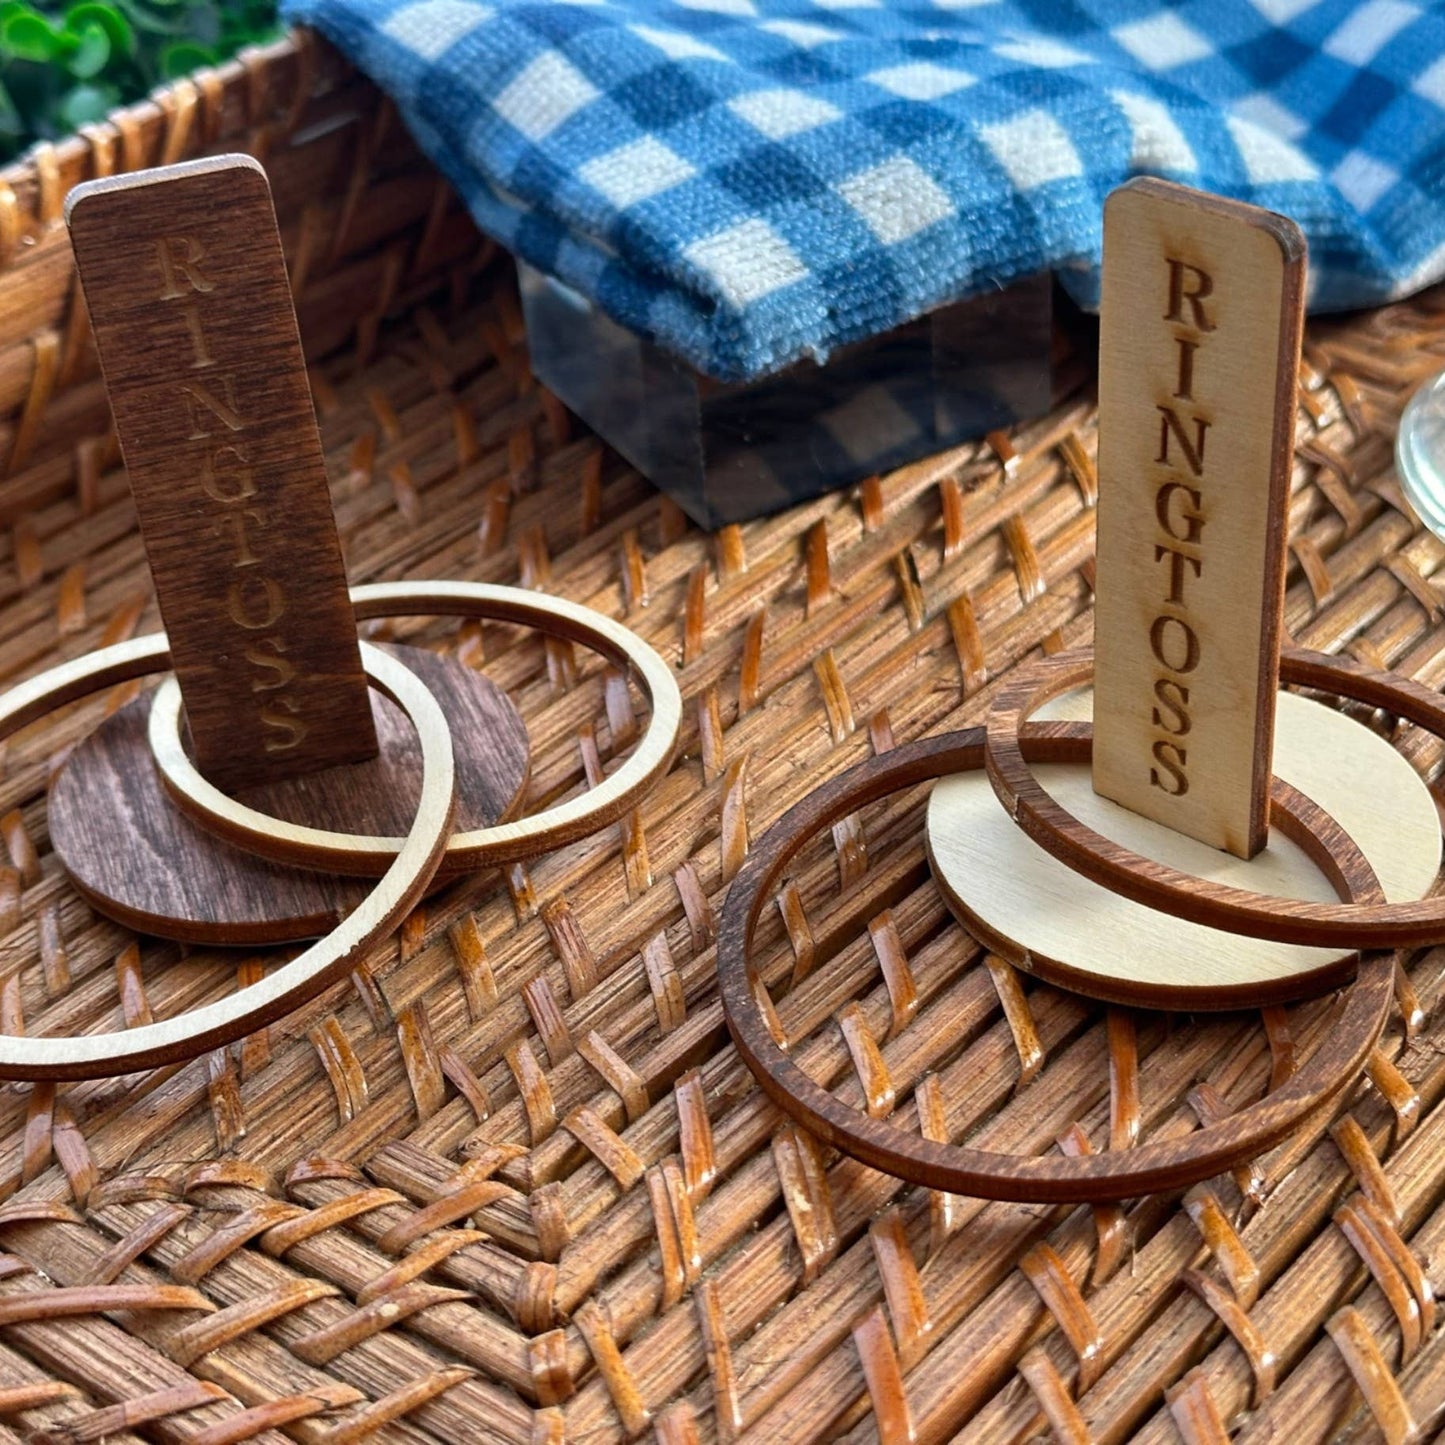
(511, 1182)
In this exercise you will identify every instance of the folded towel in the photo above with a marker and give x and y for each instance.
(749, 182)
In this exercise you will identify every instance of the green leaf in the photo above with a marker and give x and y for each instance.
(91, 54)
(94, 12)
(183, 57)
(66, 63)
(28, 36)
(85, 104)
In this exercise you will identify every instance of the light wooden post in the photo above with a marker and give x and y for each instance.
(1124, 890)
(187, 291)
(1198, 353)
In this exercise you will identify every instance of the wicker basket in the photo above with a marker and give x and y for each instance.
(511, 1183)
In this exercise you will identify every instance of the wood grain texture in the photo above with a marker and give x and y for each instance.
(138, 858)
(916, 643)
(1219, 905)
(1045, 918)
(347, 851)
(1202, 306)
(1166, 1163)
(171, 1040)
(187, 291)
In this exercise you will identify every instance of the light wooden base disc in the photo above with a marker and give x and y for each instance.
(138, 858)
(1035, 912)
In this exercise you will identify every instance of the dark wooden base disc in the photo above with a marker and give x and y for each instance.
(138, 858)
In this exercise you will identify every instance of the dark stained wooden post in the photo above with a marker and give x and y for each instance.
(187, 290)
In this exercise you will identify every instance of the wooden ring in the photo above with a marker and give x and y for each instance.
(396, 893)
(358, 854)
(1217, 905)
(1166, 1164)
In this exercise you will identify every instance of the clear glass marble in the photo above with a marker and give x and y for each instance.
(1420, 454)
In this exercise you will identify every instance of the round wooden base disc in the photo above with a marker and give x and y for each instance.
(138, 858)
(1039, 914)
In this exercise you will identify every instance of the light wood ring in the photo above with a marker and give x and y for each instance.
(1157, 885)
(1165, 1164)
(358, 854)
(174, 1040)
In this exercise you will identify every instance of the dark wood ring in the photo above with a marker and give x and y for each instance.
(1166, 1164)
(1217, 905)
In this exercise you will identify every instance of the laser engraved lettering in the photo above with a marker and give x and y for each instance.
(1181, 644)
(281, 716)
(200, 402)
(1180, 512)
(268, 656)
(1190, 512)
(180, 259)
(238, 519)
(202, 358)
(1193, 451)
(1184, 387)
(255, 599)
(1174, 696)
(1178, 560)
(1191, 284)
(1173, 757)
(248, 610)
(1200, 304)
(225, 477)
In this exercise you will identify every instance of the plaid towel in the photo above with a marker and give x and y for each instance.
(749, 182)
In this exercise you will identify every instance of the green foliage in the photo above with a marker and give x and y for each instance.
(62, 66)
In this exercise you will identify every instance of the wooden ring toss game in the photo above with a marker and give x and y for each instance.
(1120, 1174)
(188, 295)
(1199, 351)
(509, 1178)
(236, 805)
(1140, 866)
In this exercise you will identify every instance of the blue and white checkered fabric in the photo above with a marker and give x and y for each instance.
(749, 182)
